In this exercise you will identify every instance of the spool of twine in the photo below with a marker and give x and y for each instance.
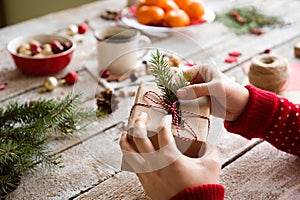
(268, 72)
(297, 49)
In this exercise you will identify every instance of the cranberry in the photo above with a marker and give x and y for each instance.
(257, 31)
(235, 13)
(3, 86)
(56, 46)
(231, 59)
(268, 50)
(82, 28)
(105, 73)
(235, 53)
(35, 49)
(240, 19)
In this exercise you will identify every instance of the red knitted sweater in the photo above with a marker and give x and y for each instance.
(267, 116)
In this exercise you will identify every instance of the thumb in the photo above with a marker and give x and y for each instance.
(211, 153)
(193, 91)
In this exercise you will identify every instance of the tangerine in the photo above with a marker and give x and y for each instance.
(177, 18)
(195, 10)
(150, 15)
(182, 3)
(170, 5)
(159, 3)
(140, 4)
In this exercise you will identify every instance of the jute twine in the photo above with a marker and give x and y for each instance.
(297, 49)
(268, 72)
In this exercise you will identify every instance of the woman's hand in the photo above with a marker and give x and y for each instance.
(228, 99)
(166, 172)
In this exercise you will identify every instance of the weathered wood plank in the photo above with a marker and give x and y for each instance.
(251, 45)
(57, 21)
(48, 24)
(94, 156)
(124, 185)
(286, 51)
(85, 166)
(199, 44)
(263, 173)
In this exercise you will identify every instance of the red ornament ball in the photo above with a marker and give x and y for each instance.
(82, 28)
(71, 78)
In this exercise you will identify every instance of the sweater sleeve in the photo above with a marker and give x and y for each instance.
(270, 117)
(206, 191)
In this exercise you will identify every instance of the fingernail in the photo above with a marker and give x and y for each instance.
(181, 92)
(167, 120)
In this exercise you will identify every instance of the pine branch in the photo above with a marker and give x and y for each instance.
(162, 72)
(25, 130)
(244, 19)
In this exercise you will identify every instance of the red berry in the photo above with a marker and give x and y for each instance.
(71, 78)
(82, 28)
(257, 31)
(235, 13)
(240, 19)
(105, 73)
(3, 86)
(235, 53)
(35, 49)
(56, 46)
(231, 59)
(268, 50)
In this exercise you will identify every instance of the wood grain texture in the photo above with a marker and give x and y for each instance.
(124, 185)
(263, 173)
(92, 159)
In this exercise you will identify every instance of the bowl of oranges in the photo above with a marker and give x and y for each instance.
(153, 16)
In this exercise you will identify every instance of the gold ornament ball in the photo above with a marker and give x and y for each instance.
(50, 83)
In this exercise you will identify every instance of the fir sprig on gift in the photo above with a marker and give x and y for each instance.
(248, 20)
(25, 130)
(163, 75)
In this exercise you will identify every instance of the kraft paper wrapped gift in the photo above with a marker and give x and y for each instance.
(195, 114)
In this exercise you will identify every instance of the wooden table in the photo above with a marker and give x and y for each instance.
(251, 169)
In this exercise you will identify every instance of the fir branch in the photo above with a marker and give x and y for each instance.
(245, 19)
(162, 72)
(25, 130)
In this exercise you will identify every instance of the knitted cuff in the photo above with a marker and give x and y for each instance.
(257, 115)
(205, 192)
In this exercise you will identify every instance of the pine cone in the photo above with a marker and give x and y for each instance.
(107, 101)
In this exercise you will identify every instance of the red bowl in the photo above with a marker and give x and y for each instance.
(41, 66)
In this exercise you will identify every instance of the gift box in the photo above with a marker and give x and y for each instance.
(191, 132)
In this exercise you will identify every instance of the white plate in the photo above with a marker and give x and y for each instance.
(128, 18)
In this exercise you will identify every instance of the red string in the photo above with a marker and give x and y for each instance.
(172, 108)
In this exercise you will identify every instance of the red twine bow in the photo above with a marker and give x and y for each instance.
(172, 108)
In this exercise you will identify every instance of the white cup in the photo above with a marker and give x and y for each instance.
(119, 49)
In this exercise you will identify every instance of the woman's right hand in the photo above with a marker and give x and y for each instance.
(228, 98)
